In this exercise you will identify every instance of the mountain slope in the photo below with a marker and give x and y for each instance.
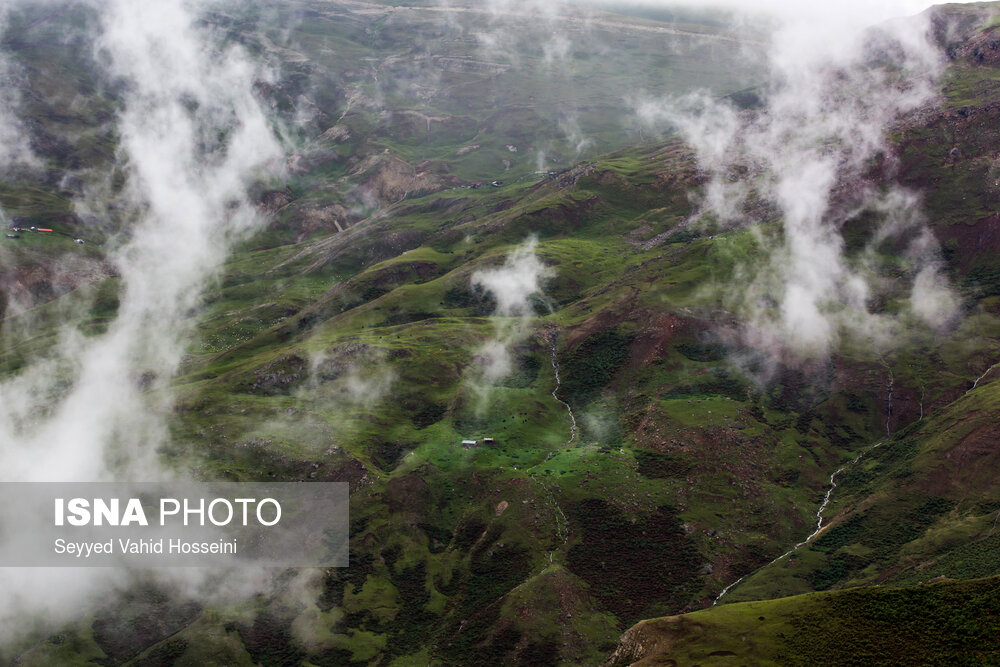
(357, 345)
(942, 623)
(921, 505)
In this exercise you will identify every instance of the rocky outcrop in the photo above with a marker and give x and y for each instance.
(640, 642)
(32, 284)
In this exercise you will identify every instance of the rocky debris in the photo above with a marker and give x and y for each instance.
(337, 134)
(254, 443)
(339, 361)
(274, 200)
(635, 644)
(33, 284)
(981, 49)
(279, 375)
(329, 217)
(389, 179)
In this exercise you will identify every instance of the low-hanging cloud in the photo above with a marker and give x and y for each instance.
(192, 139)
(805, 156)
(515, 25)
(356, 376)
(544, 36)
(514, 286)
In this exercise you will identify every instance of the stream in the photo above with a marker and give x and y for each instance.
(550, 334)
(819, 521)
(833, 479)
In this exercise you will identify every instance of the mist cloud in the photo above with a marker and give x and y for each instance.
(193, 137)
(514, 286)
(359, 376)
(514, 25)
(805, 156)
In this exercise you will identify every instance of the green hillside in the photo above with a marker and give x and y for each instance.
(946, 623)
(345, 342)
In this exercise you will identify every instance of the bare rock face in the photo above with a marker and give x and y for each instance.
(329, 218)
(650, 642)
(33, 284)
(336, 134)
(274, 200)
(631, 648)
(981, 48)
(389, 179)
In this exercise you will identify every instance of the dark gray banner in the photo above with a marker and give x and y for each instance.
(183, 524)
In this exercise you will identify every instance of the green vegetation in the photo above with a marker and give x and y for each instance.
(341, 343)
(946, 623)
(592, 365)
